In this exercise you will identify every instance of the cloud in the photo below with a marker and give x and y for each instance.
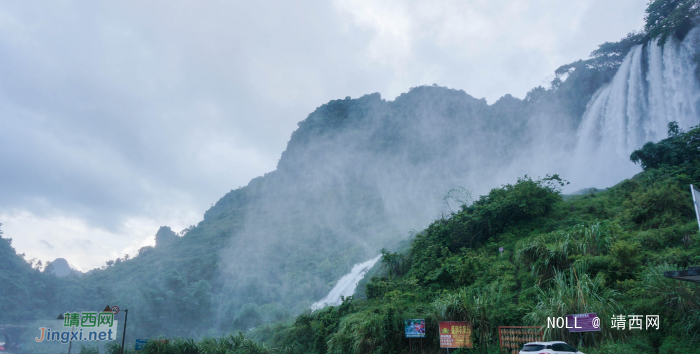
(83, 246)
(488, 48)
(118, 118)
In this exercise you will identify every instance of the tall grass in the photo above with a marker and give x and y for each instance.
(232, 344)
(549, 253)
(368, 332)
(681, 296)
(482, 307)
(573, 292)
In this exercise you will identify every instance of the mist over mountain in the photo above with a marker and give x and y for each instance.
(60, 268)
(362, 174)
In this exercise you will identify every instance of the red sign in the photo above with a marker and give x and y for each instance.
(455, 335)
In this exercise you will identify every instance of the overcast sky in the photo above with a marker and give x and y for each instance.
(119, 117)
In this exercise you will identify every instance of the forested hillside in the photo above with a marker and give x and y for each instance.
(602, 252)
(368, 175)
(599, 251)
(357, 176)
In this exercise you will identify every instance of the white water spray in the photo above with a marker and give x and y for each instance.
(652, 87)
(346, 285)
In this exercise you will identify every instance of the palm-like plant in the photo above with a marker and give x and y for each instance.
(365, 332)
(479, 306)
(549, 253)
(573, 292)
(232, 344)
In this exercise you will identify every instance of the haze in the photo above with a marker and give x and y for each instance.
(117, 118)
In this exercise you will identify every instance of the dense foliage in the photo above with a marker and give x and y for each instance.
(668, 17)
(602, 252)
(24, 290)
(676, 150)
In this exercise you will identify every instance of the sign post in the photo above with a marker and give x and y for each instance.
(70, 344)
(692, 274)
(126, 314)
(414, 329)
(584, 322)
(456, 335)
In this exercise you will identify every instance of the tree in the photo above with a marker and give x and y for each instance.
(459, 195)
(673, 129)
(680, 147)
(611, 54)
(666, 17)
(395, 262)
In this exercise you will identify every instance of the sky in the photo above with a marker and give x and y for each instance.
(119, 117)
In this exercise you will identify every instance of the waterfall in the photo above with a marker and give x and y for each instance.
(346, 284)
(653, 86)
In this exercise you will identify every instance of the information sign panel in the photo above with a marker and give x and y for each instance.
(140, 343)
(456, 335)
(583, 322)
(414, 328)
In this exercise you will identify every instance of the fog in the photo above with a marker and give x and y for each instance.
(361, 174)
(122, 117)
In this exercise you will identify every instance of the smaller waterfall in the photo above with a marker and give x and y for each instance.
(346, 284)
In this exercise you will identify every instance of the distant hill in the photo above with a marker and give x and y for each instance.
(60, 268)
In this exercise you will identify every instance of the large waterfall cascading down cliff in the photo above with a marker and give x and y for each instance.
(654, 85)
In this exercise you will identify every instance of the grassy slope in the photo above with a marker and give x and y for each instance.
(621, 239)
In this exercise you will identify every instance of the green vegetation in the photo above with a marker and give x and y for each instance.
(232, 344)
(24, 289)
(602, 252)
(676, 150)
(668, 17)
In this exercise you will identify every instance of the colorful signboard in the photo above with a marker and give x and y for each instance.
(512, 338)
(456, 335)
(140, 343)
(583, 322)
(414, 328)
